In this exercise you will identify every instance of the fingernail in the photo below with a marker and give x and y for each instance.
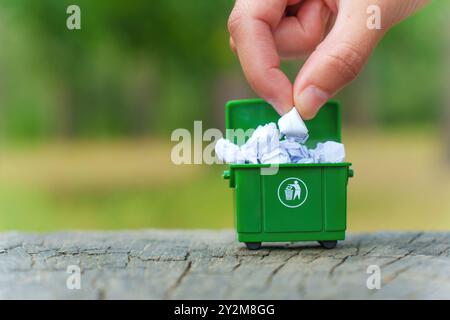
(310, 100)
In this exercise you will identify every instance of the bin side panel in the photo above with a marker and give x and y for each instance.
(248, 200)
(335, 198)
(288, 210)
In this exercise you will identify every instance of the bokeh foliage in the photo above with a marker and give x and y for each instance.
(132, 64)
(145, 67)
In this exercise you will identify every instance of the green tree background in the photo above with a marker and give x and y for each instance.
(141, 67)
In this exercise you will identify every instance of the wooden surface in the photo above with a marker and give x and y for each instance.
(212, 265)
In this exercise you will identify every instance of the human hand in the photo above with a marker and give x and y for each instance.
(333, 34)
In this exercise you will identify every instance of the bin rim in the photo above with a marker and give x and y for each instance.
(290, 165)
(259, 100)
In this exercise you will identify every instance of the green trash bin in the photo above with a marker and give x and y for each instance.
(300, 202)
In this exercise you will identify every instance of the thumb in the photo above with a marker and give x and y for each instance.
(336, 61)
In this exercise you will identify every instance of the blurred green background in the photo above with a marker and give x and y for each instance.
(86, 117)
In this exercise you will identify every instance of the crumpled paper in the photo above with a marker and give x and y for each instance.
(328, 152)
(229, 152)
(265, 147)
(292, 125)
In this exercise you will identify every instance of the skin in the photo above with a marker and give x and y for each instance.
(331, 34)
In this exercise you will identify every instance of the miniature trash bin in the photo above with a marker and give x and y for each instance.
(294, 202)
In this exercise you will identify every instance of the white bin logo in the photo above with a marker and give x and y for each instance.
(292, 192)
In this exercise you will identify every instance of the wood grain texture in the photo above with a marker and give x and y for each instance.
(196, 264)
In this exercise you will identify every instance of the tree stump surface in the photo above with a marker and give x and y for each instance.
(201, 264)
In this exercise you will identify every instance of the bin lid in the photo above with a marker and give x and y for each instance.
(249, 114)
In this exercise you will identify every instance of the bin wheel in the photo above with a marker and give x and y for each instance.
(331, 244)
(253, 245)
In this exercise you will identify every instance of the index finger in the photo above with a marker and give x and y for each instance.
(250, 25)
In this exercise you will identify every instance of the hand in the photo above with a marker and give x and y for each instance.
(333, 33)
